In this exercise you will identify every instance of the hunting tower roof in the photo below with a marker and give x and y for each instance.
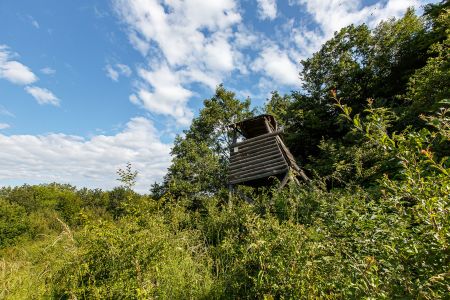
(255, 126)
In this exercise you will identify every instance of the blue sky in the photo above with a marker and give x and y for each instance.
(86, 86)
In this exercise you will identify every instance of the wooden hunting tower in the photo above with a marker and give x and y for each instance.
(261, 155)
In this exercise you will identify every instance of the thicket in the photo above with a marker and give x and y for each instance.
(371, 127)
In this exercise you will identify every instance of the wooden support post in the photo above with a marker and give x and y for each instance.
(268, 127)
(304, 177)
(284, 181)
(230, 195)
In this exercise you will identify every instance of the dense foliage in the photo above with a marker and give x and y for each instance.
(371, 126)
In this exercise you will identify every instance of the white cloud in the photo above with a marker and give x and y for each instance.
(48, 71)
(5, 112)
(111, 73)
(138, 43)
(124, 69)
(332, 15)
(12, 70)
(276, 64)
(114, 71)
(85, 162)
(4, 126)
(168, 96)
(267, 9)
(18, 73)
(42, 95)
(191, 42)
(245, 38)
(350, 11)
(33, 22)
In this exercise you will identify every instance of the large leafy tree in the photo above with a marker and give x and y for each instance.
(201, 156)
(430, 84)
(358, 64)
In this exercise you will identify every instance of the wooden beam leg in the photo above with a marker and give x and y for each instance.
(304, 177)
(230, 195)
(247, 199)
(284, 181)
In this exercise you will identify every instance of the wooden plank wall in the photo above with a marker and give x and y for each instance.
(256, 158)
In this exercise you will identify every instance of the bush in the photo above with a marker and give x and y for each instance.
(13, 223)
(131, 260)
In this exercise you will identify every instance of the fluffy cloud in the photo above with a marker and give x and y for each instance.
(33, 22)
(190, 42)
(276, 64)
(332, 15)
(18, 73)
(4, 126)
(267, 9)
(12, 70)
(5, 112)
(277, 59)
(86, 162)
(124, 70)
(168, 96)
(42, 96)
(48, 71)
(279, 62)
(114, 71)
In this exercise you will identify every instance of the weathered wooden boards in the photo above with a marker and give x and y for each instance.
(261, 155)
(256, 158)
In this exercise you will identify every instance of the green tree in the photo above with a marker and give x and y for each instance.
(358, 64)
(121, 197)
(127, 176)
(430, 85)
(13, 223)
(201, 156)
(278, 107)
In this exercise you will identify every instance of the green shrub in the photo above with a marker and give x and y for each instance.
(27, 268)
(14, 223)
(131, 260)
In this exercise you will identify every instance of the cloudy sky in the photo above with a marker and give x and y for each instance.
(86, 86)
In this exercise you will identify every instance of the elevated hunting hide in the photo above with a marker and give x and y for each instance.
(261, 155)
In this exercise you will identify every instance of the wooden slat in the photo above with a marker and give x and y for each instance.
(253, 144)
(259, 176)
(257, 153)
(264, 145)
(254, 172)
(256, 159)
(249, 142)
(255, 150)
(258, 138)
(259, 157)
(264, 164)
(256, 176)
(254, 162)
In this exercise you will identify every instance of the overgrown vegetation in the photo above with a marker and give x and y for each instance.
(371, 126)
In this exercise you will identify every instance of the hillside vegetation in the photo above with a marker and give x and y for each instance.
(370, 125)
